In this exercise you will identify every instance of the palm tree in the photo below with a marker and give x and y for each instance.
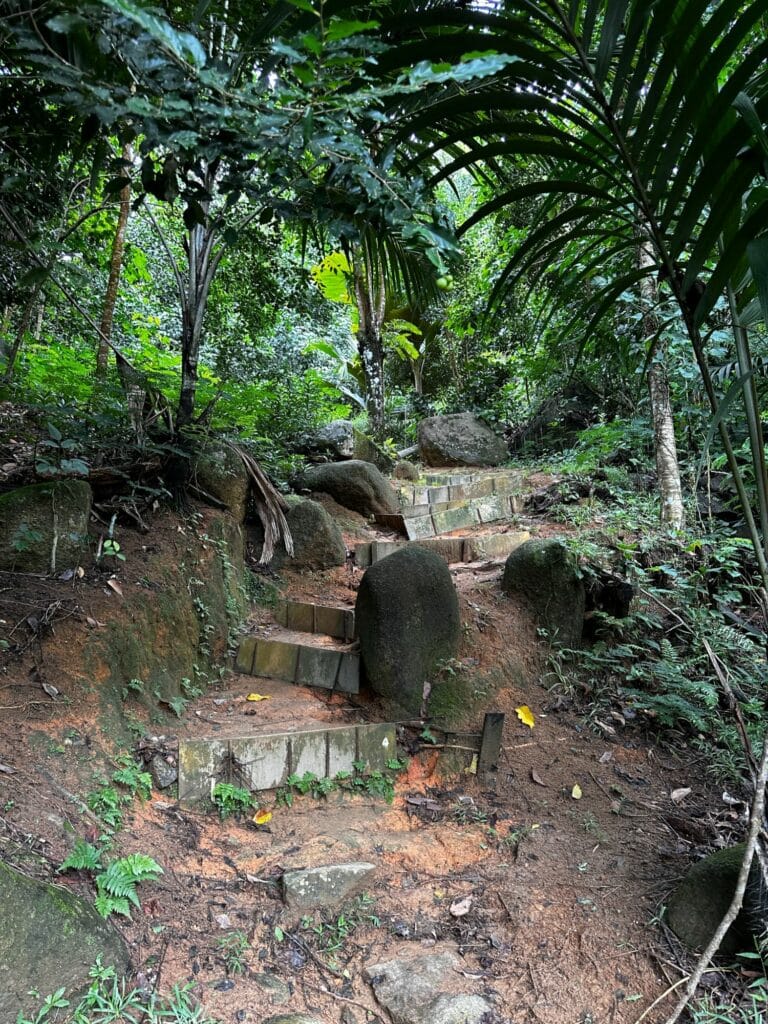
(630, 115)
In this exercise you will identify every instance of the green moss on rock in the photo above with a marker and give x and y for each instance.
(44, 527)
(49, 938)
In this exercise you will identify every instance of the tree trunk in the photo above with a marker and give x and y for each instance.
(665, 445)
(371, 297)
(202, 264)
(26, 318)
(115, 269)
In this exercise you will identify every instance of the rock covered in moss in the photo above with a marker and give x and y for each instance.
(49, 938)
(222, 474)
(407, 620)
(342, 440)
(459, 439)
(699, 903)
(356, 485)
(317, 539)
(405, 470)
(545, 574)
(44, 527)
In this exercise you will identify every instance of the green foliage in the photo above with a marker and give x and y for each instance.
(231, 801)
(82, 857)
(331, 933)
(110, 1000)
(234, 948)
(116, 886)
(361, 780)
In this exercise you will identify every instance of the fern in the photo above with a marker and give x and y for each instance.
(117, 885)
(82, 857)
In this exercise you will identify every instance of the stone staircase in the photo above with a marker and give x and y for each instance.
(327, 661)
(313, 644)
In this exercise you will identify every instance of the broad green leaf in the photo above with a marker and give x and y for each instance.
(757, 254)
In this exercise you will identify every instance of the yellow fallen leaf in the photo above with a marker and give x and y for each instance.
(257, 696)
(471, 768)
(525, 715)
(576, 792)
(262, 817)
(439, 894)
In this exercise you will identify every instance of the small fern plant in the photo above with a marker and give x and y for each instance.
(115, 882)
(116, 887)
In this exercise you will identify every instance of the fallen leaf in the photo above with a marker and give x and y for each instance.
(114, 585)
(258, 696)
(439, 894)
(606, 757)
(52, 692)
(678, 795)
(461, 907)
(7, 770)
(576, 792)
(79, 572)
(471, 768)
(262, 817)
(93, 623)
(525, 715)
(537, 778)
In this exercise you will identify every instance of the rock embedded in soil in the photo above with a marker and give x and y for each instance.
(276, 988)
(405, 470)
(356, 485)
(698, 905)
(408, 621)
(317, 539)
(49, 938)
(293, 1018)
(459, 439)
(223, 475)
(545, 574)
(44, 527)
(327, 886)
(412, 989)
(163, 774)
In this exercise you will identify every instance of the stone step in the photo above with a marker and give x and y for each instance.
(451, 549)
(445, 517)
(328, 620)
(265, 761)
(302, 663)
(465, 488)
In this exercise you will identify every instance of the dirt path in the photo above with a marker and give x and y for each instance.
(545, 878)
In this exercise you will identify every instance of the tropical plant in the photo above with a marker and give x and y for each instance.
(637, 125)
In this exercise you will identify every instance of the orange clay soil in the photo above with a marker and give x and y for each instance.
(563, 891)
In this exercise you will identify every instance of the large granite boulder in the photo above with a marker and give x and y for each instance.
(343, 440)
(460, 439)
(698, 905)
(407, 620)
(49, 938)
(317, 539)
(356, 485)
(44, 527)
(223, 475)
(545, 574)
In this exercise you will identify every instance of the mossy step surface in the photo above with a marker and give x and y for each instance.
(328, 620)
(265, 762)
(305, 664)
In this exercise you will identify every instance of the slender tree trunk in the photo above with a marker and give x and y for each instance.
(202, 265)
(665, 444)
(115, 269)
(21, 330)
(371, 297)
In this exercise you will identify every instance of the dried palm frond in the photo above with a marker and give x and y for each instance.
(271, 507)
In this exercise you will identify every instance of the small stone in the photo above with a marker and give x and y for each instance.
(278, 990)
(163, 773)
(292, 1018)
(223, 921)
(326, 886)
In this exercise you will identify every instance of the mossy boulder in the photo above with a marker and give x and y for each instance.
(407, 620)
(544, 573)
(44, 527)
(343, 440)
(356, 485)
(317, 539)
(459, 439)
(222, 474)
(49, 938)
(699, 903)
